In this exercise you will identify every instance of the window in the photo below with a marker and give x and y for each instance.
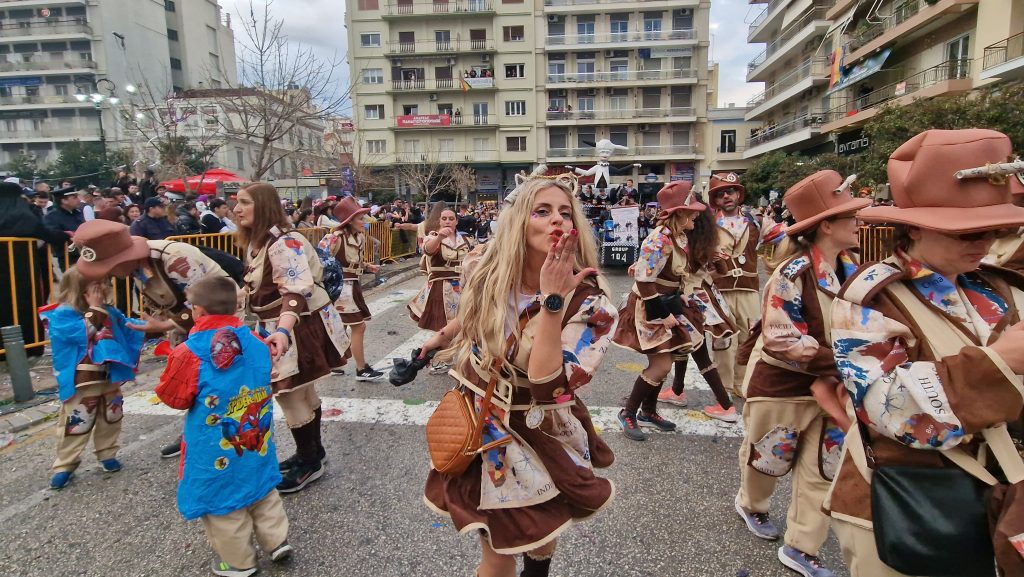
(61, 90)
(369, 39)
(169, 5)
(585, 70)
(31, 91)
(558, 138)
(515, 143)
(368, 5)
(515, 71)
(240, 158)
(619, 135)
(514, 33)
(12, 125)
(175, 64)
(481, 145)
(680, 136)
(619, 27)
(511, 1)
(515, 108)
(443, 40)
(585, 29)
(377, 146)
(556, 71)
(373, 76)
(651, 138)
(215, 61)
(373, 111)
(446, 149)
(727, 141)
(682, 19)
(585, 107)
(651, 98)
(585, 137)
(652, 25)
(681, 97)
(410, 109)
(172, 35)
(619, 69)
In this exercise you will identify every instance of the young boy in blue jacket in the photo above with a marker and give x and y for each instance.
(229, 471)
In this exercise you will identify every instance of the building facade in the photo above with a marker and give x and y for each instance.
(502, 85)
(51, 50)
(726, 135)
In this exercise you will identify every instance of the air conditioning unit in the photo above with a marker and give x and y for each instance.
(609, 53)
(433, 97)
(644, 127)
(592, 92)
(451, 62)
(554, 18)
(485, 58)
(686, 11)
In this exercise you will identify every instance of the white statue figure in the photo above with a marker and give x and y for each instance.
(602, 170)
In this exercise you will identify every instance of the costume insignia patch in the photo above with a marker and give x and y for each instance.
(224, 348)
(773, 455)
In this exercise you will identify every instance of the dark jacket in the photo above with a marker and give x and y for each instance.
(152, 228)
(18, 219)
(211, 223)
(466, 224)
(147, 189)
(185, 223)
(63, 220)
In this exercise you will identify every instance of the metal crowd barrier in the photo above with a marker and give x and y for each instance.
(875, 242)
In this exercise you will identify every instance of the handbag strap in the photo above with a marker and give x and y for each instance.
(485, 411)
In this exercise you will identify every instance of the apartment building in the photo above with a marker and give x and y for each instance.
(726, 135)
(53, 50)
(504, 84)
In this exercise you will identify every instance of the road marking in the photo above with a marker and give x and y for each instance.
(398, 412)
(403, 350)
(391, 299)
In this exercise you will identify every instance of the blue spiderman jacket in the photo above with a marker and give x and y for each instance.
(221, 375)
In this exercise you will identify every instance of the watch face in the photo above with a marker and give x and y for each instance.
(553, 303)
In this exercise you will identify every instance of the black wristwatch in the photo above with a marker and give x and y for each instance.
(553, 303)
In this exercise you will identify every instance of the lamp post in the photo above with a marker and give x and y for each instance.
(106, 91)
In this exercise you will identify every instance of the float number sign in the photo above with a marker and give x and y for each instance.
(618, 255)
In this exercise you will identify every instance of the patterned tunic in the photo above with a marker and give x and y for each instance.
(348, 249)
(171, 269)
(438, 300)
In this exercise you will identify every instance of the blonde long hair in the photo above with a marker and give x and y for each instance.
(73, 285)
(483, 307)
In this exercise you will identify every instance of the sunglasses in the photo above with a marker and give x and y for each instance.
(983, 235)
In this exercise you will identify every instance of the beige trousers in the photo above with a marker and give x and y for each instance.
(806, 525)
(230, 535)
(299, 405)
(860, 552)
(94, 411)
(745, 307)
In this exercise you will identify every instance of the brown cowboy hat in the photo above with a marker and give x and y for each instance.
(820, 196)
(928, 194)
(347, 209)
(676, 196)
(722, 182)
(104, 244)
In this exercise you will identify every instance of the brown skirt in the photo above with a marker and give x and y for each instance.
(317, 354)
(629, 323)
(362, 314)
(435, 311)
(517, 530)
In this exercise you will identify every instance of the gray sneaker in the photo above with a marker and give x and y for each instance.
(630, 427)
(758, 523)
(802, 563)
(224, 570)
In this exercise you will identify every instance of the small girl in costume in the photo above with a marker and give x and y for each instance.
(93, 353)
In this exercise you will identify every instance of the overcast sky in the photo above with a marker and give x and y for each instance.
(321, 24)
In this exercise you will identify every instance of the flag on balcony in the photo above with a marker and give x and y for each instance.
(837, 65)
(464, 84)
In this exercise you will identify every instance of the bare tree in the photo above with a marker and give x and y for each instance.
(428, 174)
(463, 180)
(283, 87)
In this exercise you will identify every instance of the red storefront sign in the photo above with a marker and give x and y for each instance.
(424, 120)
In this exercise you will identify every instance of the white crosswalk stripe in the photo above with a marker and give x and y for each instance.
(389, 300)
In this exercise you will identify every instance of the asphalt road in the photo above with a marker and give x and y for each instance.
(673, 513)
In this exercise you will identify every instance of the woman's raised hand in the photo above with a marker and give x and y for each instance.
(557, 275)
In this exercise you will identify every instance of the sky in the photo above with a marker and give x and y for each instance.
(321, 25)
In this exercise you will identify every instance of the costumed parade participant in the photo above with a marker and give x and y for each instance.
(283, 288)
(1008, 252)
(735, 272)
(162, 271)
(93, 354)
(520, 358)
(221, 376)
(700, 292)
(656, 320)
(786, 429)
(930, 346)
(347, 244)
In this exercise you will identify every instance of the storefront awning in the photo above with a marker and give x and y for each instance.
(861, 70)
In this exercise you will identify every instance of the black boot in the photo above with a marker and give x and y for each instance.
(648, 415)
(709, 371)
(321, 453)
(534, 568)
(678, 380)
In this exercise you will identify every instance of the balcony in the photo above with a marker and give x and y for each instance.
(13, 4)
(910, 20)
(776, 136)
(1004, 59)
(839, 9)
(436, 47)
(70, 61)
(615, 39)
(442, 156)
(813, 71)
(687, 75)
(438, 8)
(677, 151)
(440, 85)
(761, 24)
(732, 154)
(51, 134)
(34, 27)
(671, 114)
(565, 6)
(445, 121)
(950, 77)
(41, 101)
(796, 34)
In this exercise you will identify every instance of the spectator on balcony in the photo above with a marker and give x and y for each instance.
(862, 95)
(187, 219)
(153, 224)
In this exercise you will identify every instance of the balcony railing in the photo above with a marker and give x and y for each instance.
(69, 61)
(440, 46)
(815, 66)
(52, 99)
(439, 7)
(867, 32)
(1003, 51)
(441, 84)
(436, 156)
(621, 113)
(677, 149)
(816, 13)
(948, 70)
(592, 2)
(615, 37)
(49, 132)
(621, 75)
(442, 121)
(42, 27)
(764, 14)
(776, 131)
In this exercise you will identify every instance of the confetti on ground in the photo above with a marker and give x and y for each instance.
(334, 412)
(630, 367)
(414, 402)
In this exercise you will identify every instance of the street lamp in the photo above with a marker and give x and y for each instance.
(106, 91)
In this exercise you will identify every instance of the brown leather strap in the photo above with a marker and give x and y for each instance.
(485, 411)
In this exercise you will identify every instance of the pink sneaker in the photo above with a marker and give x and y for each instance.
(717, 412)
(667, 396)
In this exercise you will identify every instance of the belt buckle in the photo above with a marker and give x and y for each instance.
(736, 272)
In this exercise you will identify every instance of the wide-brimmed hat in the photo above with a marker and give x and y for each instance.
(723, 181)
(676, 196)
(347, 209)
(950, 181)
(820, 196)
(104, 244)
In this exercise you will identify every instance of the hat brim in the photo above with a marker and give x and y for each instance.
(852, 205)
(98, 269)
(692, 207)
(948, 218)
(353, 215)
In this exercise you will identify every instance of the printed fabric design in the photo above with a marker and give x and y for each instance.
(655, 251)
(831, 449)
(735, 225)
(585, 339)
(826, 275)
(246, 423)
(82, 417)
(784, 328)
(290, 265)
(774, 453)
